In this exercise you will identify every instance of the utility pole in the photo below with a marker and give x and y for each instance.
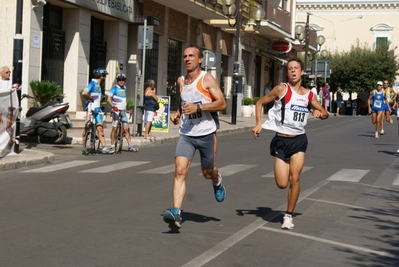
(307, 33)
(236, 66)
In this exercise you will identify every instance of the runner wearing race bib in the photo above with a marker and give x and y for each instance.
(377, 107)
(288, 118)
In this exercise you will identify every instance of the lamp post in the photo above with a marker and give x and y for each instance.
(303, 34)
(323, 54)
(233, 11)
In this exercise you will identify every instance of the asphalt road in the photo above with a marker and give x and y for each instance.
(106, 210)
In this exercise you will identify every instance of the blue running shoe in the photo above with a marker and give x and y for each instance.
(220, 191)
(173, 218)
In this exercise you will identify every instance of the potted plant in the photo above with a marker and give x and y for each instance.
(247, 107)
(45, 91)
(129, 105)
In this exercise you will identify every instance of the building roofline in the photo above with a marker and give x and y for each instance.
(346, 4)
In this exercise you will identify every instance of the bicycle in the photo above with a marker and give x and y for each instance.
(120, 135)
(91, 139)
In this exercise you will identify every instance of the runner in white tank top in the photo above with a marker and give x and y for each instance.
(200, 99)
(289, 114)
(288, 118)
(196, 124)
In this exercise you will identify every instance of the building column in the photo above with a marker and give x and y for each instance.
(77, 48)
(116, 38)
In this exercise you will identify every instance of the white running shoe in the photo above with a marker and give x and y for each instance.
(382, 132)
(376, 135)
(287, 224)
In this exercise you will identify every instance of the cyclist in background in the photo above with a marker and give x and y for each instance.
(93, 93)
(117, 100)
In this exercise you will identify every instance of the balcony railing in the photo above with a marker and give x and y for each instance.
(277, 15)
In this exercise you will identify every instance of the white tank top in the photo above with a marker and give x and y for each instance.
(193, 124)
(290, 113)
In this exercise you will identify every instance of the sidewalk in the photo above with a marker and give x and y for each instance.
(30, 156)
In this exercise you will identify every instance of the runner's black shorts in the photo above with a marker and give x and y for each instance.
(284, 147)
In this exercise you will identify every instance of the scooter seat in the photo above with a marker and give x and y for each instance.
(33, 110)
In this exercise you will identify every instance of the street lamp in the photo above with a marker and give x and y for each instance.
(303, 34)
(233, 11)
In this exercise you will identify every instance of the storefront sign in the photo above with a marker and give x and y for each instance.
(161, 117)
(121, 9)
(281, 47)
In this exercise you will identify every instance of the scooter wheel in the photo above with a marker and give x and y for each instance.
(60, 139)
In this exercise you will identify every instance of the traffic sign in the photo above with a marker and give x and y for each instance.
(209, 59)
(149, 36)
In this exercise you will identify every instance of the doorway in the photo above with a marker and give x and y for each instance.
(98, 48)
(53, 45)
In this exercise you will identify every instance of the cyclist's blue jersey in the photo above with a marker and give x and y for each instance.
(118, 95)
(95, 93)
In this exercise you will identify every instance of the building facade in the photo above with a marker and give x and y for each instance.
(344, 23)
(64, 40)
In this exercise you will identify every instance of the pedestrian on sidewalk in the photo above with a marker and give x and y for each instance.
(339, 101)
(150, 106)
(288, 119)
(93, 94)
(326, 97)
(117, 100)
(200, 99)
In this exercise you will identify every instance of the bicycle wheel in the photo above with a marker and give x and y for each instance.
(119, 138)
(87, 144)
(95, 140)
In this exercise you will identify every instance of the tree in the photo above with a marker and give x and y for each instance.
(359, 69)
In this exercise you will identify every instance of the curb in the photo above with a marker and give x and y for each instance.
(29, 157)
(141, 142)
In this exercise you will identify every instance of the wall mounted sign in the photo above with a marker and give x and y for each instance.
(281, 47)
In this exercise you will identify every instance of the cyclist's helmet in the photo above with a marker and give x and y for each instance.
(121, 77)
(97, 73)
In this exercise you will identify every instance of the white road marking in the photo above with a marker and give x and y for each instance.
(165, 169)
(234, 168)
(396, 182)
(116, 167)
(338, 204)
(62, 166)
(348, 175)
(271, 174)
(331, 242)
(215, 251)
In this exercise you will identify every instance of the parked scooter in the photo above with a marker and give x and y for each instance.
(49, 122)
